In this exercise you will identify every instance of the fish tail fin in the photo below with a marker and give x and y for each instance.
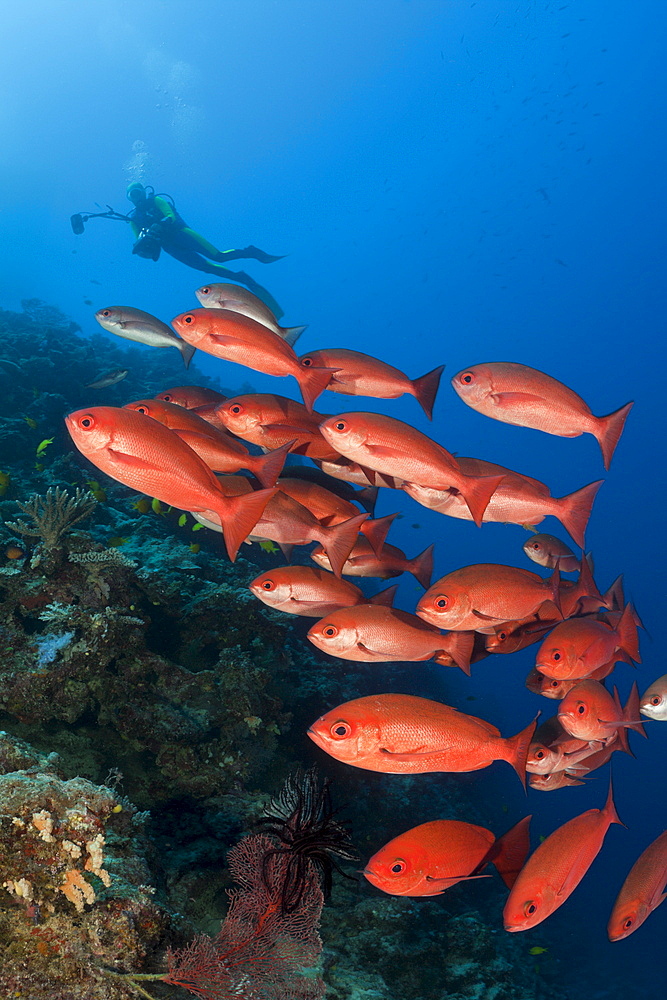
(517, 748)
(291, 334)
(376, 531)
(609, 429)
(574, 510)
(268, 467)
(367, 497)
(613, 598)
(385, 597)
(509, 852)
(425, 389)
(609, 809)
(631, 711)
(239, 515)
(477, 492)
(586, 584)
(421, 567)
(457, 646)
(187, 350)
(339, 539)
(312, 382)
(627, 633)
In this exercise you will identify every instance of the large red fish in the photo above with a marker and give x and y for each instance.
(556, 868)
(429, 858)
(484, 595)
(518, 499)
(149, 458)
(390, 447)
(290, 523)
(642, 892)
(371, 634)
(271, 421)
(310, 591)
(363, 561)
(526, 397)
(589, 712)
(362, 375)
(580, 646)
(234, 337)
(220, 451)
(403, 734)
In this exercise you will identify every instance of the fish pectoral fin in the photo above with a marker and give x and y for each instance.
(413, 754)
(132, 461)
(366, 649)
(450, 880)
(487, 618)
(510, 398)
(222, 339)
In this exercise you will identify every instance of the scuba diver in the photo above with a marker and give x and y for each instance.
(157, 226)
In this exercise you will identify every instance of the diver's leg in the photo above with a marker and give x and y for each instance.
(192, 240)
(199, 263)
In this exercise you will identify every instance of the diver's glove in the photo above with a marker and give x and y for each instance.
(159, 230)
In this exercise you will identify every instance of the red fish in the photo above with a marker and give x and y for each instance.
(403, 734)
(331, 509)
(517, 500)
(149, 458)
(396, 449)
(481, 596)
(642, 892)
(556, 868)
(191, 396)
(234, 337)
(310, 591)
(551, 552)
(373, 634)
(271, 421)
(588, 712)
(362, 375)
(428, 859)
(290, 523)
(526, 397)
(363, 561)
(579, 646)
(221, 452)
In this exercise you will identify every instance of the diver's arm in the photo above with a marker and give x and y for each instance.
(165, 210)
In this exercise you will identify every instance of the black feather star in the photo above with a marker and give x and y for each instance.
(301, 819)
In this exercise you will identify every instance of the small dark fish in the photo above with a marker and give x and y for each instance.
(109, 378)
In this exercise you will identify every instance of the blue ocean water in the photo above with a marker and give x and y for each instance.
(452, 182)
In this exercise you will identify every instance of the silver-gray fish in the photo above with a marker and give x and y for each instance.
(219, 295)
(135, 324)
(109, 378)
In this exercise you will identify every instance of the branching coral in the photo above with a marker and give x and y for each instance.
(53, 514)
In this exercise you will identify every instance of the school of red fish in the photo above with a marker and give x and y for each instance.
(186, 448)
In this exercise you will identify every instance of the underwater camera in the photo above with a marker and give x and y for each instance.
(148, 245)
(77, 224)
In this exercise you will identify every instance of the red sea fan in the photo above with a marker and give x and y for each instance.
(261, 951)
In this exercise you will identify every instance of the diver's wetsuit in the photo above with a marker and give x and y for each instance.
(185, 244)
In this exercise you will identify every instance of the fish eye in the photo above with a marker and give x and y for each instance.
(268, 585)
(581, 708)
(142, 409)
(530, 908)
(188, 319)
(236, 408)
(656, 699)
(540, 755)
(536, 546)
(467, 378)
(502, 636)
(205, 290)
(167, 396)
(554, 684)
(340, 425)
(556, 655)
(398, 867)
(307, 362)
(330, 631)
(87, 422)
(441, 602)
(340, 730)
(627, 924)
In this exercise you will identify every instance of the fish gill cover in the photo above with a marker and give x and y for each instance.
(458, 184)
